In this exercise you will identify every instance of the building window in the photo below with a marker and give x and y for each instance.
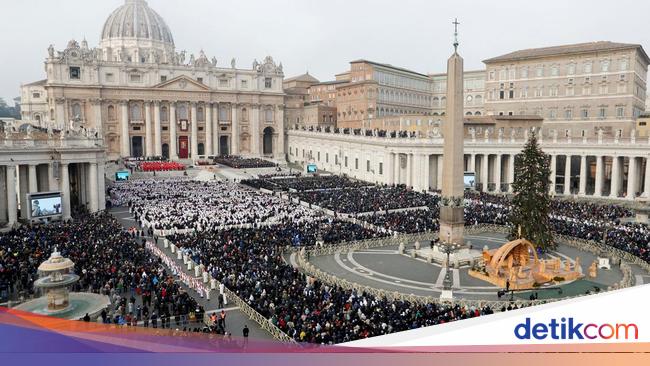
(36, 95)
(136, 128)
(620, 112)
(327, 157)
(135, 78)
(200, 80)
(346, 161)
(604, 66)
(381, 168)
(552, 114)
(524, 73)
(584, 113)
(601, 113)
(244, 84)
(356, 163)
(244, 115)
(76, 111)
(163, 78)
(367, 165)
(623, 65)
(75, 72)
(111, 113)
(491, 76)
(136, 113)
(587, 68)
(568, 114)
(223, 83)
(555, 71)
(200, 116)
(268, 83)
(571, 70)
(223, 113)
(110, 77)
(164, 116)
(539, 72)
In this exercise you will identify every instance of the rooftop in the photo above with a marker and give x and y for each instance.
(577, 48)
(388, 66)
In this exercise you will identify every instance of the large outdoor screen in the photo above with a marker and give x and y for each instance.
(45, 204)
(311, 168)
(470, 180)
(122, 175)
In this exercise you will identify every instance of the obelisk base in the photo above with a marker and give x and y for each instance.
(452, 224)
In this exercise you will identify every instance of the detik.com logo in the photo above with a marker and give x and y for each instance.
(568, 328)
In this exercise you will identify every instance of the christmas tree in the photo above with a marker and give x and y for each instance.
(531, 202)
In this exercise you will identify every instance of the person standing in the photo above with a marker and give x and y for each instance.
(245, 331)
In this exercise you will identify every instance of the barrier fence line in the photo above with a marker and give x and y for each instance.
(200, 272)
(590, 246)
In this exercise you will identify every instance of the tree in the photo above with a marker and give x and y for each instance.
(531, 202)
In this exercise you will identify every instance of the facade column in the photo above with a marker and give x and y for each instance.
(195, 133)
(125, 140)
(207, 108)
(23, 188)
(390, 170)
(94, 194)
(472, 163)
(631, 178)
(485, 166)
(65, 191)
(101, 187)
(497, 173)
(255, 135)
(3, 196)
(234, 130)
(33, 180)
(157, 130)
(583, 176)
(567, 175)
(147, 129)
(97, 112)
(12, 204)
(598, 184)
(60, 113)
(553, 174)
(216, 130)
(279, 123)
(616, 177)
(511, 172)
(173, 140)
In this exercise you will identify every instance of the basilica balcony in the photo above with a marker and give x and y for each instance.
(224, 122)
(136, 122)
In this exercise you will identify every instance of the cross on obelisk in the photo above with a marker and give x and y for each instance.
(455, 23)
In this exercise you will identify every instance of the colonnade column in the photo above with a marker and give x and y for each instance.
(234, 131)
(101, 187)
(567, 175)
(125, 143)
(33, 182)
(208, 128)
(497, 174)
(439, 172)
(390, 171)
(147, 129)
(425, 168)
(646, 185)
(23, 188)
(485, 166)
(65, 191)
(409, 170)
(631, 178)
(583, 176)
(3, 197)
(616, 177)
(396, 168)
(598, 184)
(511, 172)
(553, 177)
(472, 163)
(97, 111)
(214, 108)
(195, 132)
(92, 182)
(12, 204)
(173, 140)
(157, 130)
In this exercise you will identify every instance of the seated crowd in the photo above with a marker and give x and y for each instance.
(157, 166)
(309, 183)
(108, 260)
(239, 162)
(377, 198)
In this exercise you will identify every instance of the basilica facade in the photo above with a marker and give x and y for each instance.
(145, 98)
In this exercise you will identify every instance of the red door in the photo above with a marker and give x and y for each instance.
(182, 147)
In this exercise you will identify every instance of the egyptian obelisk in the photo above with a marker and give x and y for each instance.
(451, 210)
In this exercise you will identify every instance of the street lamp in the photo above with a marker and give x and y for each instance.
(448, 248)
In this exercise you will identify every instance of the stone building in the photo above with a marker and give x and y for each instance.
(578, 89)
(473, 93)
(146, 99)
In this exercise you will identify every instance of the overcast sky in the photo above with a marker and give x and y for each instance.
(323, 36)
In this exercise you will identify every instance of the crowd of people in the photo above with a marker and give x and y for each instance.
(309, 183)
(372, 199)
(157, 166)
(108, 259)
(249, 262)
(238, 162)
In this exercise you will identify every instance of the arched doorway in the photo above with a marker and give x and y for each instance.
(136, 146)
(224, 149)
(165, 151)
(268, 141)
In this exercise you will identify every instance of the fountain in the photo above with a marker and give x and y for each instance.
(56, 278)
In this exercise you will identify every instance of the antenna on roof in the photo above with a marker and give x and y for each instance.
(455, 23)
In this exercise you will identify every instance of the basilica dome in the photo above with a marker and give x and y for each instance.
(136, 24)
